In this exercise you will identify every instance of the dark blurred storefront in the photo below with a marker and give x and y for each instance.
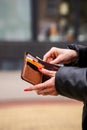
(37, 25)
(62, 20)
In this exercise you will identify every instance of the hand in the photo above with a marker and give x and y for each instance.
(46, 88)
(57, 55)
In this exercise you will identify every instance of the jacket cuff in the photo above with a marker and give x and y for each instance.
(82, 54)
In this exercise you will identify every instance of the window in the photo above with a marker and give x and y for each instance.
(56, 21)
(62, 20)
(15, 20)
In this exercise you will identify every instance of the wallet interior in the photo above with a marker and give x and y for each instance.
(32, 66)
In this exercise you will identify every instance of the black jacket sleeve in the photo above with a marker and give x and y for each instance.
(72, 81)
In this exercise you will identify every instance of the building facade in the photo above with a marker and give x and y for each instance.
(37, 25)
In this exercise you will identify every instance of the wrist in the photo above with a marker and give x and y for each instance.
(75, 56)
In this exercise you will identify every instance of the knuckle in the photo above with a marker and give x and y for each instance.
(53, 48)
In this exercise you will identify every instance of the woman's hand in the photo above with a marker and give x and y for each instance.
(46, 88)
(57, 55)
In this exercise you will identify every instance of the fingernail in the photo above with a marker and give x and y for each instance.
(39, 68)
(33, 60)
(26, 89)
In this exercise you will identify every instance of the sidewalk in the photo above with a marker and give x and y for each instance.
(39, 114)
(41, 117)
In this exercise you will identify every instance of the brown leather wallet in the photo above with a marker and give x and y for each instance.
(30, 72)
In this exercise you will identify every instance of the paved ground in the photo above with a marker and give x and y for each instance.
(28, 111)
(54, 116)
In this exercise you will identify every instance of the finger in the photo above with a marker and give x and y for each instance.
(35, 87)
(53, 93)
(47, 90)
(57, 60)
(47, 57)
(47, 72)
(48, 60)
(50, 55)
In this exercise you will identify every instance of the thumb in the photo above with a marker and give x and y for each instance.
(59, 59)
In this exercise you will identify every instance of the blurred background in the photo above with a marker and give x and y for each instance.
(36, 26)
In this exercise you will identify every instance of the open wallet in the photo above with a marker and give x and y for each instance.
(30, 72)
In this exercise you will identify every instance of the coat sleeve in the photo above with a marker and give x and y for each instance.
(72, 82)
(82, 54)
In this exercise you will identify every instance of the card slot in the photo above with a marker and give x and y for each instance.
(32, 66)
